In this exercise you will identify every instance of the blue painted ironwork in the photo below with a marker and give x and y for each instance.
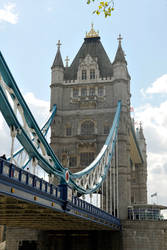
(23, 137)
(29, 186)
(15, 94)
(44, 131)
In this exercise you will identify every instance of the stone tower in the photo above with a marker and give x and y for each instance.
(86, 94)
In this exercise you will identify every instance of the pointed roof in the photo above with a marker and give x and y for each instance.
(120, 55)
(94, 48)
(58, 59)
(141, 134)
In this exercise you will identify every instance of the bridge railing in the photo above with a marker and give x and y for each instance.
(25, 178)
(93, 210)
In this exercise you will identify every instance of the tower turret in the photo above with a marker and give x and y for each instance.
(120, 63)
(141, 141)
(143, 168)
(57, 76)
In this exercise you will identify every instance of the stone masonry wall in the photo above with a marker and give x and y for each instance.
(15, 235)
(144, 235)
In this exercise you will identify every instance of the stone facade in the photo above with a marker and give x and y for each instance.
(145, 235)
(16, 236)
(86, 94)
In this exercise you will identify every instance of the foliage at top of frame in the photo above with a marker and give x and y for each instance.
(105, 7)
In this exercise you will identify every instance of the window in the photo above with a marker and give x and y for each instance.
(75, 92)
(91, 91)
(106, 129)
(87, 128)
(68, 131)
(84, 74)
(100, 91)
(86, 158)
(72, 161)
(92, 74)
(83, 92)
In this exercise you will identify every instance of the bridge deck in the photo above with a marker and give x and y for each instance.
(30, 202)
(19, 213)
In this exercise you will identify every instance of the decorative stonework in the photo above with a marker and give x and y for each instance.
(87, 65)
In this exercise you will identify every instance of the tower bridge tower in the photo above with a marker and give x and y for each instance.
(86, 94)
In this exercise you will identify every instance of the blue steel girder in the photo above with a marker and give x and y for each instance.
(11, 120)
(9, 80)
(44, 130)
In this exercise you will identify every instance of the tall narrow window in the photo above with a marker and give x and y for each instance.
(87, 128)
(91, 91)
(72, 161)
(84, 74)
(92, 74)
(68, 131)
(100, 91)
(86, 158)
(84, 92)
(75, 92)
(106, 129)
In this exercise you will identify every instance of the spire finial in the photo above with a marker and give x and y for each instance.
(92, 32)
(119, 39)
(67, 60)
(58, 44)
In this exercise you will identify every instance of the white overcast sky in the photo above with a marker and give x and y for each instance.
(29, 31)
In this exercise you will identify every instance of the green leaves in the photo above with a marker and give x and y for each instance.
(105, 7)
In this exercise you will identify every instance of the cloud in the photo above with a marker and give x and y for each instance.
(159, 86)
(8, 14)
(38, 107)
(154, 120)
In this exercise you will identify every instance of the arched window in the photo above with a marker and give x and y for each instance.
(87, 128)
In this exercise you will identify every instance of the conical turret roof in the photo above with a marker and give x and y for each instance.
(120, 55)
(58, 62)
